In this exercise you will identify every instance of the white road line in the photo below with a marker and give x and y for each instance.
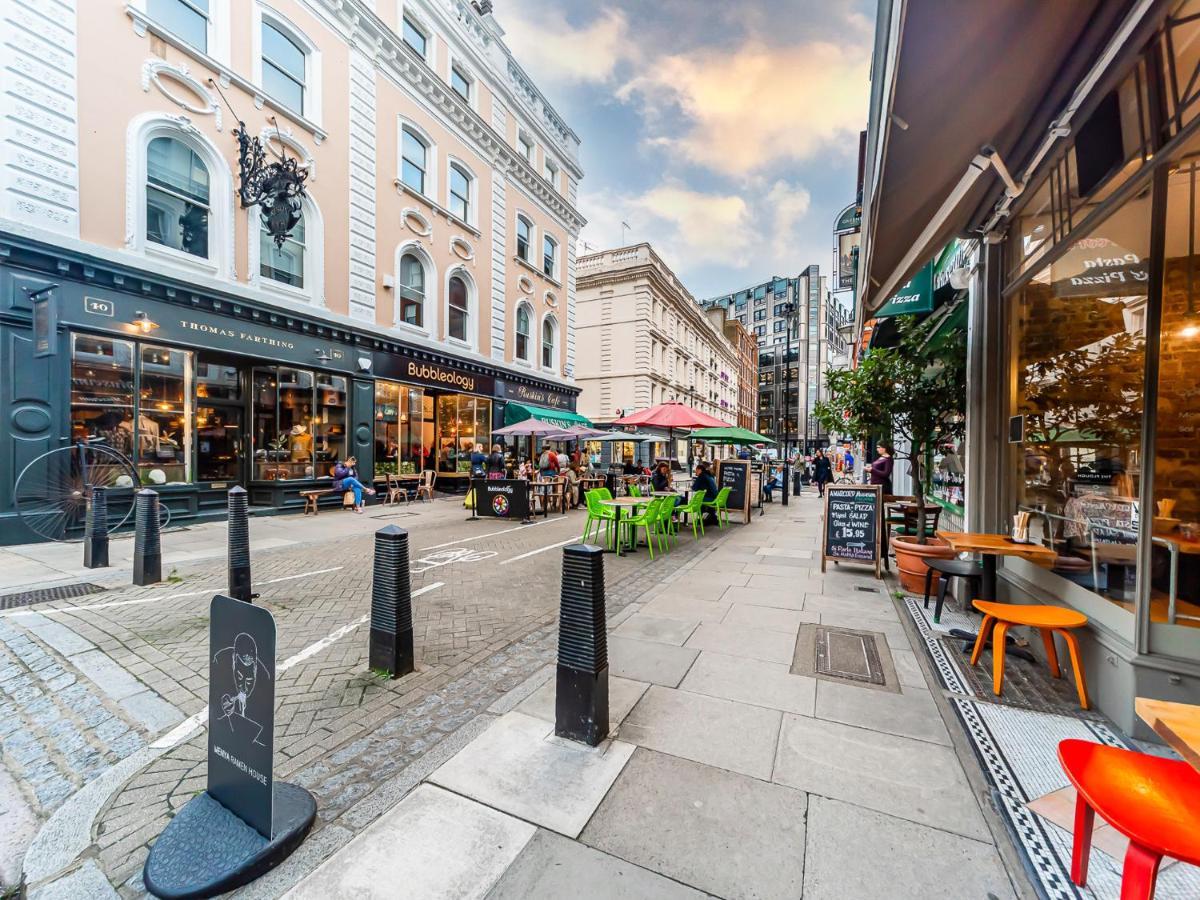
(71, 609)
(482, 536)
(570, 540)
(188, 726)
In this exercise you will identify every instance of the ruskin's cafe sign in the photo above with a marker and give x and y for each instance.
(535, 396)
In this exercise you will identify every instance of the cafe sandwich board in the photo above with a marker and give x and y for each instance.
(853, 525)
(735, 475)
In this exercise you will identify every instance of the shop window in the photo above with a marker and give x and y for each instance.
(216, 380)
(177, 197)
(1079, 350)
(164, 415)
(462, 423)
(524, 318)
(218, 443)
(188, 20)
(299, 423)
(284, 263)
(403, 429)
(329, 424)
(412, 291)
(102, 405)
(458, 321)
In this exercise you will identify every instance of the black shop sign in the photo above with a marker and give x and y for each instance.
(735, 475)
(852, 526)
(406, 366)
(534, 396)
(241, 710)
(501, 498)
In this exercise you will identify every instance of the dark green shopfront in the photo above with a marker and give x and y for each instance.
(203, 391)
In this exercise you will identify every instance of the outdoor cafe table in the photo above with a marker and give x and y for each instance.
(546, 488)
(1176, 723)
(619, 503)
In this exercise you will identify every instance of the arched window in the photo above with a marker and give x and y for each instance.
(549, 255)
(524, 237)
(460, 193)
(459, 319)
(177, 197)
(283, 67)
(549, 340)
(285, 263)
(524, 332)
(412, 291)
(415, 160)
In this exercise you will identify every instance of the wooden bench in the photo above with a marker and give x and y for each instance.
(311, 498)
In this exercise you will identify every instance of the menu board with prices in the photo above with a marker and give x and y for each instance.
(852, 525)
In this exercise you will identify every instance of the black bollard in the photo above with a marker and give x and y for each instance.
(95, 531)
(391, 647)
(581, 698)
(147, 547)
(239, 545)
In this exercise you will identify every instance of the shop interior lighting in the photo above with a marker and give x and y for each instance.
(144, 323)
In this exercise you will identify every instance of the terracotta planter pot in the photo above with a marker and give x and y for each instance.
(910, 561)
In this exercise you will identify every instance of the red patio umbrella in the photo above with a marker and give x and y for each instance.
(672, 414)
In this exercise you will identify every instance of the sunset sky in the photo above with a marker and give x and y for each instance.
(724, 134)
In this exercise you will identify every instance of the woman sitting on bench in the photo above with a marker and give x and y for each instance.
(345, 478)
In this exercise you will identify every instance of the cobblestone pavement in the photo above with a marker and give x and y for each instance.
(85, 683)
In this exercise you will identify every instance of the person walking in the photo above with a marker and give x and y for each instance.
(345, 478)
(478, 461)
(822, 471)
(881, 469)
(495, 463)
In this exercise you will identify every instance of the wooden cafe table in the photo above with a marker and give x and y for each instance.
(1176, 723)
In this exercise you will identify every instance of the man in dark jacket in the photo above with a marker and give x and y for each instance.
(704, 481)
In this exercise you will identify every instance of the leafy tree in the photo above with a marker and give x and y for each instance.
(913, 394)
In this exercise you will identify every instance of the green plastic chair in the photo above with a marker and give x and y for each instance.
(694, 509)
(646, 520)
(597, 514)
(720, 505)
(635, 491)
(666, 521)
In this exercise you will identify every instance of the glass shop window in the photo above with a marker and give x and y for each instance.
(463, 422)
(292, 439)
(102, 391)
(164, 423)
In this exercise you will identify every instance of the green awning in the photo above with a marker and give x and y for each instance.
(731, 434)
(519, 412)
(914, 298)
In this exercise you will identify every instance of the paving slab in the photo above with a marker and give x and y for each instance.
(722, 733)
(106, 674)
(913, 715)
(783, 568)
(705, 579)
(155, 713)
(623, 695)
(911, 779)
(57, 635)
(519, 767)
(863, 606)
(85, 883)
(894, 632)
(724, 833)
(552, 867)
(752, 643)
(750, 615)
(687, 607)
(648, 661)
(921, 862)
(772, 582)
(433, 844)
(657, 628)
(908, 669)
(780, 598)
(787, 552)
(751, 681)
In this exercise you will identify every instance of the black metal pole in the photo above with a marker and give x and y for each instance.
(581, 695)
(787, 361)
(147, 545)
(239, 545)
(391, 646)
(95, 531)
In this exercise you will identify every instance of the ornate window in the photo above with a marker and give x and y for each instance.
(549, 255)
(414, 160)
(523, 331)
(177, 197)
(460, 192)
(549, 342)
(524, 237)
(284, 67)
(458, 321)
(411, 291)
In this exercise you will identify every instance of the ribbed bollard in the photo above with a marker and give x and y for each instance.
(239, 545)
(391, 648)
(95, 531)
(581, 698)
(147, 547)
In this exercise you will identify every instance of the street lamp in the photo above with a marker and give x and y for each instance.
(789, 311)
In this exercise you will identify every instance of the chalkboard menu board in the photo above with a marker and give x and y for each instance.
(735, 475)
(852, 525)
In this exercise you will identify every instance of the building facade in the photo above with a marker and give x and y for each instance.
(746, 345)
(642, 339)
(429, 282)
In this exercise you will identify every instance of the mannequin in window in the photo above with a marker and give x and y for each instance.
(300, 443)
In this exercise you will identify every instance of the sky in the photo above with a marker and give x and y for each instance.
(725, 134)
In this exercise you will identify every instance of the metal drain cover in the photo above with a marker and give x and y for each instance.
(43, 595)
(848, 654)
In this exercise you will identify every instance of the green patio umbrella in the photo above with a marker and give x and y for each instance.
(729, 434)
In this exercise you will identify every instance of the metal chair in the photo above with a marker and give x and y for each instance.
(425, 488)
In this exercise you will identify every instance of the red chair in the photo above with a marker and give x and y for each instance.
(1154, 802)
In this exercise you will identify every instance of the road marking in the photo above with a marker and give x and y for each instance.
(71, 609)
(570, 540)
(188, 726)
(479, 537)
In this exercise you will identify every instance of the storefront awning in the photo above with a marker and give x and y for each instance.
(519, 412)
(959, 77)
(913, 299)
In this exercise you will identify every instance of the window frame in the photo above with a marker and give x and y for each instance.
(311, 98)
(210, 32)
(525, 307)
(431, 313)
(313, 292)
(454, 164)
(409, 21)
(552, 256)
(526, 147)
(532, 236)
(549, 319)
(469, 309)
(409, 129)
(457, 68)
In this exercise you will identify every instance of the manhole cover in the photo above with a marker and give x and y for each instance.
(42, 595)
(845, 654)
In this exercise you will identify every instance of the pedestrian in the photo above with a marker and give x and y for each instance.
(495, 463)
(563, 460)
(744, 453)
(881, 469)
(345, 478)
(548, 463)
(822, 472)
(525, 469)
(771, 483)
(704, 481)
(571, 473)
(848, 461)
(478, 461)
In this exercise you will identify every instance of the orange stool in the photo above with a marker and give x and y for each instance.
(1154, 802)
(1048, 620)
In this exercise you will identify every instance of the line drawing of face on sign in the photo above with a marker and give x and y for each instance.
(244, 670)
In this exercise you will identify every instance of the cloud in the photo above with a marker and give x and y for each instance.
(741, 111)
(789, 205)
(555, 51)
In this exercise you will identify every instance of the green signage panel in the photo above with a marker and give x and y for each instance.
(914, 298)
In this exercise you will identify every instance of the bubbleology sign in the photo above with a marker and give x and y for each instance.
(851, 532)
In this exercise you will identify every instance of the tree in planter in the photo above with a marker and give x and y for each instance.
(913, 394)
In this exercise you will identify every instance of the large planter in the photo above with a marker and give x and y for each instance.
(911, 557)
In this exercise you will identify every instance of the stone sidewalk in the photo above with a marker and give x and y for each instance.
(774, 736)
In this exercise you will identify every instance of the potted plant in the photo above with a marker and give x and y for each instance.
(914, 395)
